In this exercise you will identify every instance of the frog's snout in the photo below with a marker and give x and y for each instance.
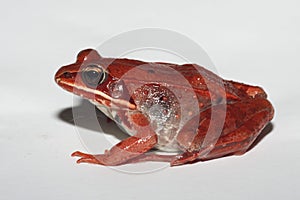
(62, 76)
(66, 73)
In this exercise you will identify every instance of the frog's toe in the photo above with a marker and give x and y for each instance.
(86, 158)
(80, 154)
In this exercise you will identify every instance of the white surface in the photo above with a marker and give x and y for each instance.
(251, 41)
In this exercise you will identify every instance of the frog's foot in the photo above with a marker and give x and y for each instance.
(100, 159)
(122, 153)
(184, 158)
(96, 159)
(187, 157)
(87, 158)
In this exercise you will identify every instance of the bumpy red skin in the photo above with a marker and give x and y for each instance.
(246, 110)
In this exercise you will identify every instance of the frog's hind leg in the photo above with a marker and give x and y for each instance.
(121, 153)
(252, 91)
(243, 123)
(239, 141)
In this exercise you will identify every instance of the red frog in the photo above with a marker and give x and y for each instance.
(179, 108)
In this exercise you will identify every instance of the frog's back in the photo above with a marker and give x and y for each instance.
(209, 87)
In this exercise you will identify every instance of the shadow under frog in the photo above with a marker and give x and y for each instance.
(86, 115)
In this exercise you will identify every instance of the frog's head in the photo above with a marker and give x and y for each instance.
(90, 78)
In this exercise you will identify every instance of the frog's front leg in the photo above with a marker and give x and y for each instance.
(124, 151)
(243, 123)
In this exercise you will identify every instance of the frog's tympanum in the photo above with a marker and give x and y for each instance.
(170, 107)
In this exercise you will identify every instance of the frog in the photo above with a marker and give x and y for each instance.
(184, 109)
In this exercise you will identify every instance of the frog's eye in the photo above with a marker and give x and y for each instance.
(93, 75)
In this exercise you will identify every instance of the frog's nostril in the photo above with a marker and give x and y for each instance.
(67, 75)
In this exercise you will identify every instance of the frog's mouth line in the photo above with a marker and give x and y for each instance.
(99, 93)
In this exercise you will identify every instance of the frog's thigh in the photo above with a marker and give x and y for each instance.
(238, 141)
(243, 123)
(255, 114)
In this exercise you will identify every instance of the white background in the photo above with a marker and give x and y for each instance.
(256, 42)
